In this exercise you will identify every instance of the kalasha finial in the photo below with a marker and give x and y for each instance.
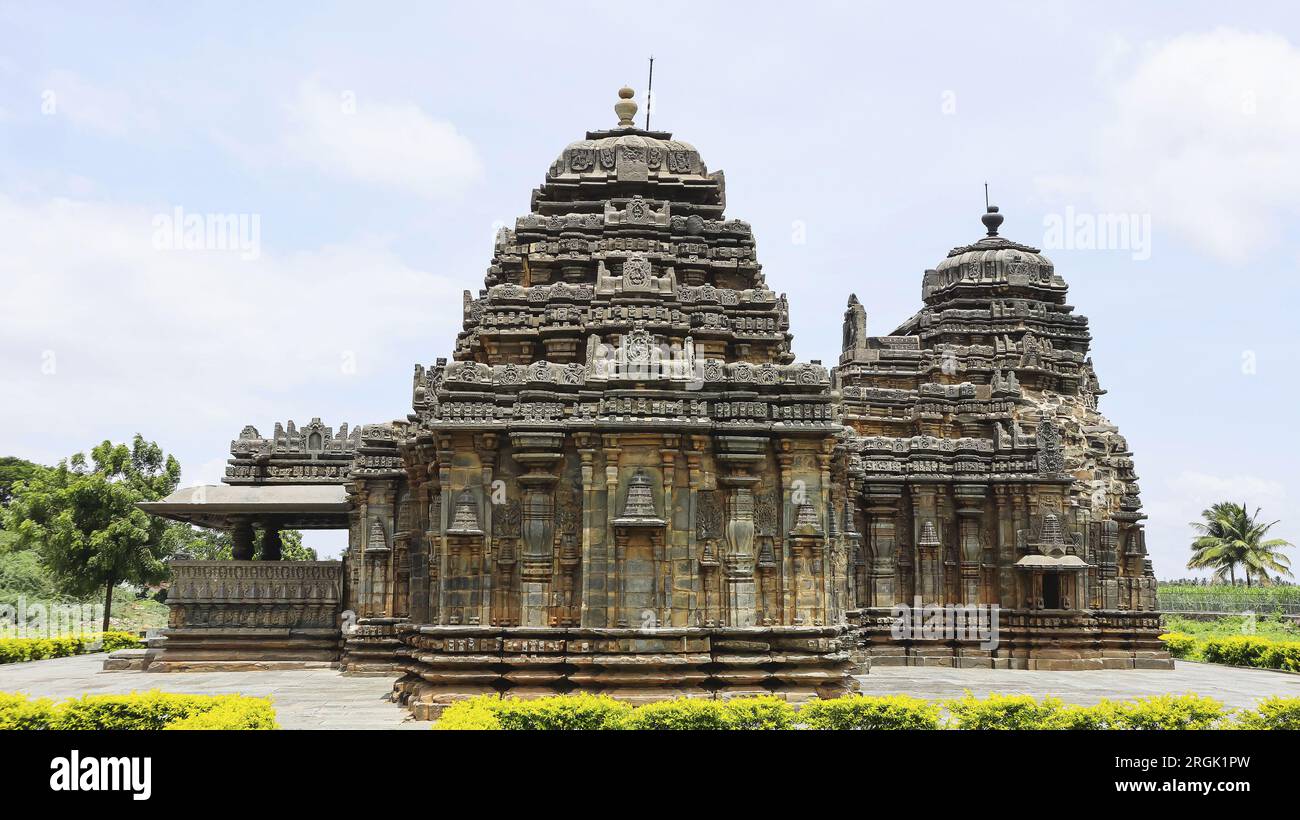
(992, 219)
(625, 108)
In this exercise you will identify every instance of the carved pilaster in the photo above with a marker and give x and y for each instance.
(883, 501)
(970, 512)
(929, 546)
(539, 454)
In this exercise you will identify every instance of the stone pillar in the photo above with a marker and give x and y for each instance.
(486, 446)
(738, 562)
(831, 606)
(594, 571)
(789, 562)
(619, 617)
(697, 574)
(241, 536)
(1006, 547)
(446, 504)
(882, 515)
(929, 586)
(538, 453)
(673, 604)
(970, 513)
(272, 544)
(739, 455)
(376, 584)
(612, 549)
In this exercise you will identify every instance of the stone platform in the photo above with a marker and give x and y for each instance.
(447, 663)
(197, 649)
(1027, 639)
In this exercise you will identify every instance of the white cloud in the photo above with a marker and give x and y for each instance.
(1200, 133)
(87, 105)
(387, 144)
(163, 341)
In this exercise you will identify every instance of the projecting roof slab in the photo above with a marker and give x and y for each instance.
(301, 506)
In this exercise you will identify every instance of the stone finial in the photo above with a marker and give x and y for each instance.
(992, 220)
(625, 108)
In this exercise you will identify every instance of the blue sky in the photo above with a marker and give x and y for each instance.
(378, 146)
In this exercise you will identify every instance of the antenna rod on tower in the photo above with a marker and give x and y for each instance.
(986, 196)
(648, 87)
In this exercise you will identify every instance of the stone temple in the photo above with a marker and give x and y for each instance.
(623, 480)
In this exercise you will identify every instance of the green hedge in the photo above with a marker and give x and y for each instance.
(17, 650)
(113, 641)
(150, 710)
(1236, 650)
(1182, 646)
(863, 712)
(1250, 650)
(588, 712)
(1008, 712)
(1272, 713)
(1162, 712)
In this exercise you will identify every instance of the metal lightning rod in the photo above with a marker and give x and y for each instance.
(649, 85)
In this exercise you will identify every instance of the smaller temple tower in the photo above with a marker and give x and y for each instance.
(983, 472)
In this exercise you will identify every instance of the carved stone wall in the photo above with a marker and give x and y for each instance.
(232, 615)
(255, 594)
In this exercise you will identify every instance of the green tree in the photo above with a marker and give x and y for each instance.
(13, 470)
(83, 520)
(217, 545)
(1228, 536)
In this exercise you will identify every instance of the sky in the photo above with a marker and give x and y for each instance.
(360, 158)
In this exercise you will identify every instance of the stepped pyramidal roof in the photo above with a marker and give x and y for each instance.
(625, 274)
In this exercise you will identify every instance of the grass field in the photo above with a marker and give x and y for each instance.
(1264, 627)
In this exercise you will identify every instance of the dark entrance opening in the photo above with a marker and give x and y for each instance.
(1051, 591)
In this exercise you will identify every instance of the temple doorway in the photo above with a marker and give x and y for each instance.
(1051, 591)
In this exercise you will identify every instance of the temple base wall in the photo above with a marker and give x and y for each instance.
(1051, 641)
(251, 615)
(373, 647)
(444, 664)
(240, 650)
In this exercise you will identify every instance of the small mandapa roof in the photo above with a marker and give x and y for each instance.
(1050, 564)
(305, 506)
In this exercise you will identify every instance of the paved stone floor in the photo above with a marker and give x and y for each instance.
(324, 699)
(1236, 687)
(304, 699)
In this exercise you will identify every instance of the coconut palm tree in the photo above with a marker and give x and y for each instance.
(1229, 536)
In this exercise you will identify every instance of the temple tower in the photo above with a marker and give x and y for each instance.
(988, 475)
(648, 463)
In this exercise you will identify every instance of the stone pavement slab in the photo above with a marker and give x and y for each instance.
(1236, 687)
(325, 699)
(304, 698)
